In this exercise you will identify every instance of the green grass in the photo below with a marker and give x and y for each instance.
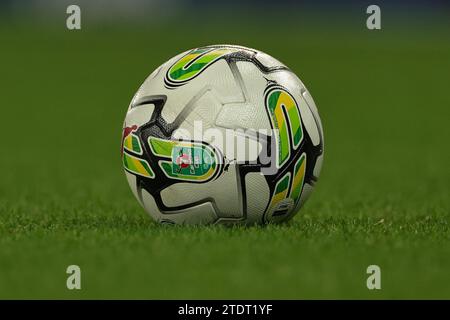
(383, 196)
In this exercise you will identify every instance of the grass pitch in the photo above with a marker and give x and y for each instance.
(383, 196)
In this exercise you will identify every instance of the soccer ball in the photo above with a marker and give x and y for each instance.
(222, 134)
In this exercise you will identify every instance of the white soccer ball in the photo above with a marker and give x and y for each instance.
(222, 134)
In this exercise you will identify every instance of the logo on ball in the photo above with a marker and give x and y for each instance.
(189, 161)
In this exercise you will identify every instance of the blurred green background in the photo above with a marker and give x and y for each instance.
(383, 196)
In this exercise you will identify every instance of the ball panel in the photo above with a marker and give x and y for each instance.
(197, 214)
(318, 166)
(138, 116)
(268, 61)
(224, 89)
(254, 83)
(257, 196)
(295, 87)
(306, 192)
(204, 108)
(132, 183)
(312, 106)
(223, 193)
